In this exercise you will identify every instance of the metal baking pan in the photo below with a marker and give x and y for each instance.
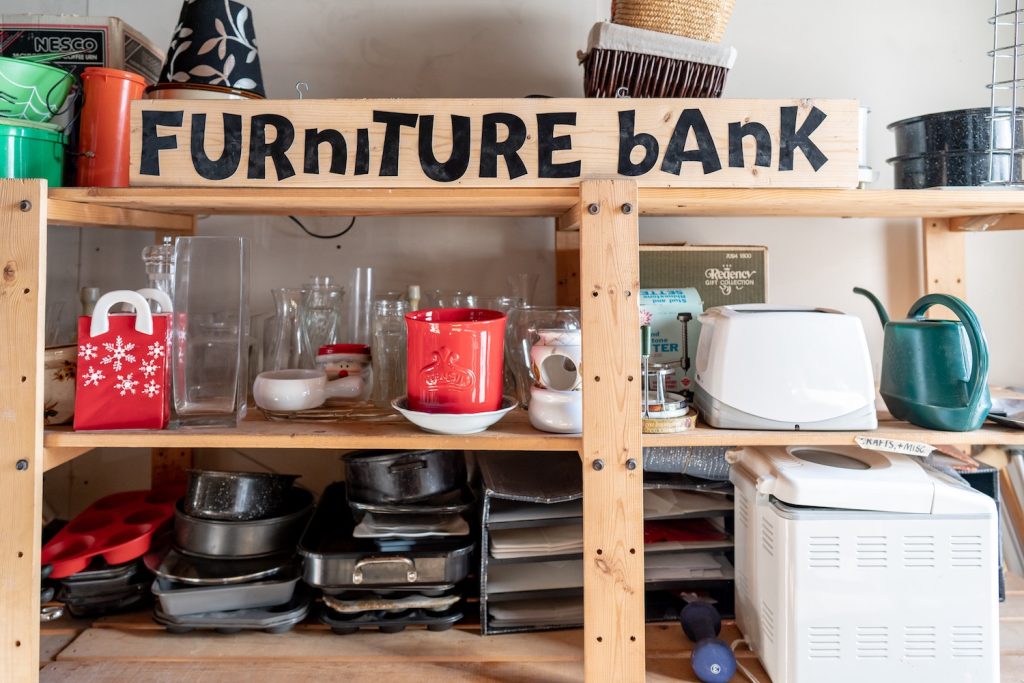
(431, 591)
(453, 502)
(180, 599)
(333, 558)
(279, 619)
(254, 538)
(237, 496)
(388, 622)
(168, 563)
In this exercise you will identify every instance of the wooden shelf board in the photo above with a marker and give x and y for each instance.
(81, 214)
(513, 433)
(458, 201)
(887, 429)
(441, 201)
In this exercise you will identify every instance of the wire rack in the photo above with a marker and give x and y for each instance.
(1006, 133)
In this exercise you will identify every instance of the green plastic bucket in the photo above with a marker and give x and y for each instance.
(31, 150)
(31, 91)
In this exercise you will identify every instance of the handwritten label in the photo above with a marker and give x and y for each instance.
(914, 448)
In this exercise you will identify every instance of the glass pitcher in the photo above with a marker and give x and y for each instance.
(282, 336)
(322, 316)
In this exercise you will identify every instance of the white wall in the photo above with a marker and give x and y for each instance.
(901, 58)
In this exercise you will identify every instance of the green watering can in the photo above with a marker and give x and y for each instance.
(933, 374)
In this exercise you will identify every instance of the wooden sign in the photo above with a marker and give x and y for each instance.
(490, 143)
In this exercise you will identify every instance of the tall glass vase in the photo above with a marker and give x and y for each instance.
(282, 339)
(208, 357)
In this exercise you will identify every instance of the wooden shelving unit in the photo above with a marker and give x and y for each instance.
(615, 644)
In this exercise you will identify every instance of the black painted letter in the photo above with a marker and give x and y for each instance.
(259, 149)
(458, 160)
(227, 164)
(392, 138)
(630, 140)
(490, 148)
(339, 150)
(362, 151)
(706, 152)
(762, 143)
(792, 139)
(548, 143)
(149, 160)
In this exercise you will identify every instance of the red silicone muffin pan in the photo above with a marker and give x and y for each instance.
(120, 527)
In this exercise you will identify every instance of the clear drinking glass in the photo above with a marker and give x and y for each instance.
(452, 299)
(360, 310)
(282, 337)
(322, 316)
(208, 358)
(521, 335)
(389, 346)
(523, 285)
(505, 304)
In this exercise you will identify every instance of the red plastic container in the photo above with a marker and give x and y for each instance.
(105, 126)
(119, 527)
(455, 360)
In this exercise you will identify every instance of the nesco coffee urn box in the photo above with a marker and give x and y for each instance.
(720, 274)
(98, 41)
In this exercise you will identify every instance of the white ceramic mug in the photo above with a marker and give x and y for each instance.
(560, 412)
(556, 359)
(301, 389)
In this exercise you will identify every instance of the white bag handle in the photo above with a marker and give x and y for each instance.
(143, 316)
(159, 296)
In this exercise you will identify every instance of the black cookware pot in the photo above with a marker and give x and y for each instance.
(402, 476)
(236, 496)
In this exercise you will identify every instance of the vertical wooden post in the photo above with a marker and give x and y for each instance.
(22, 306)
(945, 269)
(613, 547)
(567, 268)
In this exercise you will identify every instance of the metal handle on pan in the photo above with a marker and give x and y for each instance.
(410, 572)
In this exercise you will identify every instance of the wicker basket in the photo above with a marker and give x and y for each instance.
(612, 73)
(698, 19)
(622, 61)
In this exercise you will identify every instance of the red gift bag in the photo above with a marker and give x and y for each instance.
(123, 379)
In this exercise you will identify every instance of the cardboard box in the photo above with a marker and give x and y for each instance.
(104, 41)
(721, 274)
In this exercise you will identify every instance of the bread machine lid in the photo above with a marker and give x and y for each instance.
(841, 477)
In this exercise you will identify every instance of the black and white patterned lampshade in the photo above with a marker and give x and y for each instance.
(214, 43)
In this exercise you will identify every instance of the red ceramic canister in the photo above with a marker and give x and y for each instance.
(105, 127)
(455, 360)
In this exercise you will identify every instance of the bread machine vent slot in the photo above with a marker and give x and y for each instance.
(966, 551)
(767, 621)
(968, 642)
(872, 552)
(768, 537)
(823, 642)
(919, 552)
(872, 642)
(919, 642)
(823, 552)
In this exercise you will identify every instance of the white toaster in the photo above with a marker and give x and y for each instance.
(855, 565)
(760, 366)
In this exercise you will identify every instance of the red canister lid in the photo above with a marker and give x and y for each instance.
(362, 349)
(107, 72)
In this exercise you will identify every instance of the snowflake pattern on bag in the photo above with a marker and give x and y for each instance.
(93, 376)
(119, 354)
(151, 389)
(126, 384)
(88, 351)
(156, 351)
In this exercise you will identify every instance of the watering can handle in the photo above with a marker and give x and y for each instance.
(979, 345)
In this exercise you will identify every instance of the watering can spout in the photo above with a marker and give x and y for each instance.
(878, 304)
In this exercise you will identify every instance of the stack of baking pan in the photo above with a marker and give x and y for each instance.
(230, 564)
(385, 582)
(104, 588)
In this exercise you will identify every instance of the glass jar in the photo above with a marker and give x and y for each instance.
(322, 316)
(389, 338)
(158, 260)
